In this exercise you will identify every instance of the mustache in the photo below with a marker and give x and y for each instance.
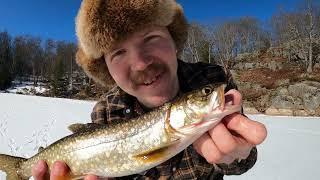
(139, 77)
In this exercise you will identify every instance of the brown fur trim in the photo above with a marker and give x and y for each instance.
(100, 24)
(178, 29)
(95, 68)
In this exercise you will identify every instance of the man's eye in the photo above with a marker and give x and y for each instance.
(117, 54)
(151, 38)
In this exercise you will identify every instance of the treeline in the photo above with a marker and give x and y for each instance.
(295, 32)
(28, 57)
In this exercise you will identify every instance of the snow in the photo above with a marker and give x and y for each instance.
(28, 122)
(290, 150)
(26, 88)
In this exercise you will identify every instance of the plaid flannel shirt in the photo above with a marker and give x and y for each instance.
(117, 106)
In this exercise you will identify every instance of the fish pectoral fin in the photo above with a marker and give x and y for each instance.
(156, 153)
(79, 127)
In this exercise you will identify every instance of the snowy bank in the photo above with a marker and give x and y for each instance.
(27, 122)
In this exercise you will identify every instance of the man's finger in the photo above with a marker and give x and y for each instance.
(91, 177)
(223, 139)
(39, 171)
(59, 171)
(233, 97)
(253, 131)
(206, 148)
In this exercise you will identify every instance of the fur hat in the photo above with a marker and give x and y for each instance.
(102, 23)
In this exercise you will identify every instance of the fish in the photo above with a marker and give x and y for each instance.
(132, 146)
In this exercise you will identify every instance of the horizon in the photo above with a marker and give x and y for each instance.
(56, 20)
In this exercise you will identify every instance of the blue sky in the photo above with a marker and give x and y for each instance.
(55, 19)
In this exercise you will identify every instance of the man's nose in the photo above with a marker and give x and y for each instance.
(139, 60)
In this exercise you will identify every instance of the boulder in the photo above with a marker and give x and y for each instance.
(282, 82)
(239, 66)
(279, 112)
(248, 66)
(310, 101)
(317, 112)
(299, 89)
(283, 102)
(308, 92)
(250, 110)
(283, 91)
(262, 103)
(300, 112)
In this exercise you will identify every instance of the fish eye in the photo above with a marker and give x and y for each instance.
(206, 90)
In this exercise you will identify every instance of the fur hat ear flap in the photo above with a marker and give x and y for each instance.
(178, 29)
(95, 68)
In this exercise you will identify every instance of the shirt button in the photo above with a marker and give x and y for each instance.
(174, 169)
(127, 111)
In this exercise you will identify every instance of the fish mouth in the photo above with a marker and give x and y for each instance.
(217, 99)
(217, 107)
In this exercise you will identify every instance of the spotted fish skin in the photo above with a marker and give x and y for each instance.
(132, 146)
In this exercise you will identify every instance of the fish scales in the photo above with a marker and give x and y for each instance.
(97, 150)
(132, 146)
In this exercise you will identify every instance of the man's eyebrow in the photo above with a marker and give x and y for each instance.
(114, 48)
(148, 32)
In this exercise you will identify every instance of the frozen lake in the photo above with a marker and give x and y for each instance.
(289, 152)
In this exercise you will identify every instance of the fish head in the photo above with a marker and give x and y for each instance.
(203, 101)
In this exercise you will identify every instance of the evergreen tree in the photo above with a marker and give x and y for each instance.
(6, 75)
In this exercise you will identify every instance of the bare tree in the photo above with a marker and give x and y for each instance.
(20, 54)
(243, 35)
(225, 38)
(311, 17)
(197, 45)
(298, 31)
(49, 57)
(251, 36)
(35, 54)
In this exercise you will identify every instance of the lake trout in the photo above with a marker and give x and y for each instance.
(132, 146)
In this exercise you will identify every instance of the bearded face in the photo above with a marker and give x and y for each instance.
(145, 66)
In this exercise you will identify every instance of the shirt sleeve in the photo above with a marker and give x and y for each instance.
(193, 165)
(99, 113)
(239, 166)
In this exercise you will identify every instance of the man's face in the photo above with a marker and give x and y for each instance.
(145, 66)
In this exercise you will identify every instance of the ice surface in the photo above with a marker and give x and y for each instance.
(289, 152)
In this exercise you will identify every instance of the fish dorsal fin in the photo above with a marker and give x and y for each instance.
(40, 149)
(79, 127)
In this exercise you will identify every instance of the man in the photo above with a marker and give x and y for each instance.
(133, 45)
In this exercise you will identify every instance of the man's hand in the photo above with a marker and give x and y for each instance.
(59, 171)
(235, 135)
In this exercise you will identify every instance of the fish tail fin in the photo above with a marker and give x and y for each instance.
(10, 165)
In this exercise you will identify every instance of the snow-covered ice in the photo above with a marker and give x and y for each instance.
(289, 152)
(26, 88)
(28, 122)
